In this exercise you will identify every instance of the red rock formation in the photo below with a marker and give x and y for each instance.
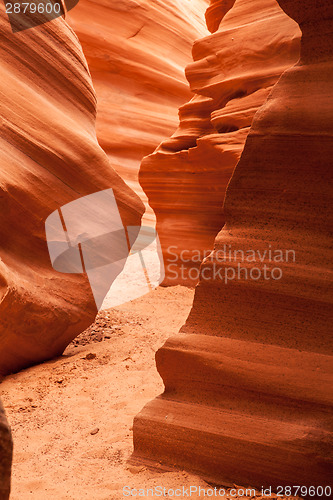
(248, 382)
(49, 156)
(6, 452)
(232, 75)
(137, 51)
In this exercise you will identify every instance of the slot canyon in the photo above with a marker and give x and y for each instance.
(213, 121)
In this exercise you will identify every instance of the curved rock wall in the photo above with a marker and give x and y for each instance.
(232, 74)
(6, 452)
(137, 51)
(248, 382)
(49, 157)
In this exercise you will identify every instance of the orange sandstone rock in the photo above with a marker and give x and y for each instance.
(49, 157)
(6, 452)
(137, 51)
(248, 382)
(232, 74)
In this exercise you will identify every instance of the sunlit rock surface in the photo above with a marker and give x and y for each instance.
(233, 72)
(49, 157)
(137, 51)
(248, 381)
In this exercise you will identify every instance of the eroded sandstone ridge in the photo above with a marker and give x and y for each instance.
(137, 51)
(233, 72)
(248, 382)
(6, 452)
(49, 157)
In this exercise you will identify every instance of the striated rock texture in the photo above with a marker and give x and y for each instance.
(49, 157)
(232, 74)
(6, 452)
(248, 382)
(137, 51)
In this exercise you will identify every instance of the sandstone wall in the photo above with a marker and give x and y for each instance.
(233, 72)
(6, 451)
(248, 382)
(137, 51)
(49, 156)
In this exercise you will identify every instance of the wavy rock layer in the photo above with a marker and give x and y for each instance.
(6, 452)
(137, 51)
(248, 382)
(49, 157)
(232, 74)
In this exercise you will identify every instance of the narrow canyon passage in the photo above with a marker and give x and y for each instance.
(196, 361)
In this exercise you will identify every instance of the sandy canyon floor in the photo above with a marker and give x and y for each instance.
(72, 417)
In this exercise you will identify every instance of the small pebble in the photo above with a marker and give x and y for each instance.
(136, 469)
(90, 356)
